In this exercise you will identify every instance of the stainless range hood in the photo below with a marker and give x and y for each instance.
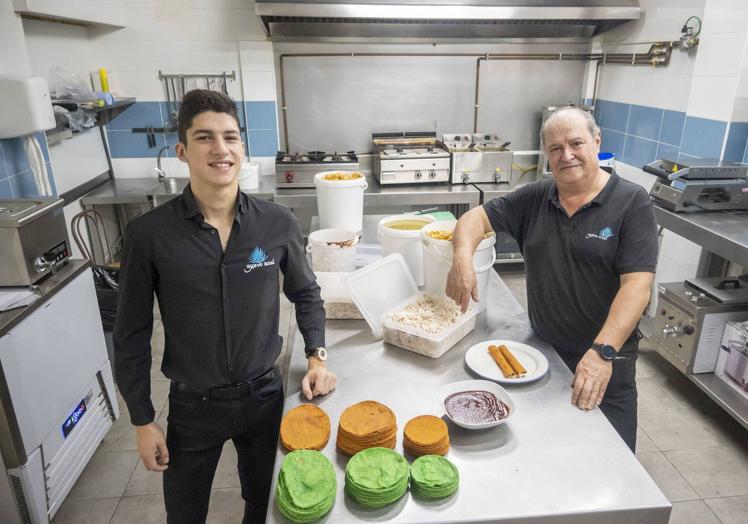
(443, 18)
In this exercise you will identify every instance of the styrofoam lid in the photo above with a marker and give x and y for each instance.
(380, 286)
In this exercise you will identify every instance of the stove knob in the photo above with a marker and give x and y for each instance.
(694, 299)
(418, 175)
(42, 265)
(688, 329)
(669, 330)
(289, 176)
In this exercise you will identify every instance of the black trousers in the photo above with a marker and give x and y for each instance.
(619, 403)
(197, 430)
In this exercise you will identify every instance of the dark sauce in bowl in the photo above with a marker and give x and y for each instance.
(475, 407)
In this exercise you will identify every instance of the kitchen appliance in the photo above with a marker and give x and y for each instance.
(25, 106)
(293, 171)
(732, 363)
(478, 157)
(33, 239)
(699, 185)
(57, 398)
(691, 317)
(544, 169)
(409, 157)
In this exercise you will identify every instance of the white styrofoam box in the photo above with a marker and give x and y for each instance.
(197, 57)
(712, 97)
(257, 56)
(725, 16)
(720, 55)
(259, 85)
(25, 106)
(143, 85)
(78, 159)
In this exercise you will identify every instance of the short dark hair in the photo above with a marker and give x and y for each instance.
(199, 101)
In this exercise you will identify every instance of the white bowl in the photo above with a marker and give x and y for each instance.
(476, 385)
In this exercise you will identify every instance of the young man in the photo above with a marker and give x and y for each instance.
(212, 257)
(589, 240)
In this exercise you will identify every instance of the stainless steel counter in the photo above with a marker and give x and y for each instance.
(377, 195)
(47, 288)
(723, 233)
(550, 463)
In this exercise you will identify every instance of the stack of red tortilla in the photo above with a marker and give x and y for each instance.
(426, 435)
(305, 427)
(367, 424)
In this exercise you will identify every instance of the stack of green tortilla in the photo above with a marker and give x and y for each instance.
(306, 486)
(376, 477)
(433, 477)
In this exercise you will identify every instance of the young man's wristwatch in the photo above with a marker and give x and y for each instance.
(319, 353)
(606, 351)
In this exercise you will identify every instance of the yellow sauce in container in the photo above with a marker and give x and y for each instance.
(343, 176)
(406, 225)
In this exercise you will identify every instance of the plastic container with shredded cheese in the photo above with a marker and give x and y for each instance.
(383, 290)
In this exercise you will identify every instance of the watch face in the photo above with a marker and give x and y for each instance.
(608, 352)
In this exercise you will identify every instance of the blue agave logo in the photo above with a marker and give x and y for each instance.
(606, 233)
(257, 256)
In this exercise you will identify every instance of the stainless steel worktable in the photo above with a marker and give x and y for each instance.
(550, 462)
(723, 233)
(395, 195)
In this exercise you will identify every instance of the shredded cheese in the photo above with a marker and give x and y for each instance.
(429, 314)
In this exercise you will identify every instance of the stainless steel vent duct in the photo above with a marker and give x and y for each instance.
(443, 18)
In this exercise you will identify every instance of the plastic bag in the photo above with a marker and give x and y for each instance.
(66, 85)
(75, 120)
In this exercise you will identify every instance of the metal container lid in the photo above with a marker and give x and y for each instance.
(21, 211)
(726, 290)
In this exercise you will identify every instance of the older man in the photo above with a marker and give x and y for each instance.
(589, 240)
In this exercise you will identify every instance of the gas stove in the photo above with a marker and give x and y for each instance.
(409, 157)
(297, 170)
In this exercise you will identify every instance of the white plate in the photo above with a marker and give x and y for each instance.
(476, 385)
(480, 361)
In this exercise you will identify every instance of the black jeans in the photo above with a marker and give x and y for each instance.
(619, 403)
(196, 432)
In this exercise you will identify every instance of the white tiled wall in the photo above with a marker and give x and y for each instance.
(14, 58)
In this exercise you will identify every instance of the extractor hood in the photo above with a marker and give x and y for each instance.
(443, 18)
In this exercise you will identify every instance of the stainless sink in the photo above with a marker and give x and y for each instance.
(168, 189)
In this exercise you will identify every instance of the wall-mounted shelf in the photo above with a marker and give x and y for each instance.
(104, 114)
(85, 12)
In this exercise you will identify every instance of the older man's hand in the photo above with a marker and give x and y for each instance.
(461, 283)
(590, 380)
(318, 380)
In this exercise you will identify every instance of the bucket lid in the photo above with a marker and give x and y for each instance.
(380, 286)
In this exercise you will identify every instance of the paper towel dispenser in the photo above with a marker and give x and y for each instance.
(25, 106)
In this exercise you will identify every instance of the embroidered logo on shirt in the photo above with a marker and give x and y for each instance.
(604, 234)
(258, 258)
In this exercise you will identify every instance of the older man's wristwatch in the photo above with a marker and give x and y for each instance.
(606, 351)
(319, 353)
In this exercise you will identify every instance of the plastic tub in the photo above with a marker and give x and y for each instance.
(407, 242)
(333, 249)
(432, 345)
(438, 255)
(340, 203)
(338, 301)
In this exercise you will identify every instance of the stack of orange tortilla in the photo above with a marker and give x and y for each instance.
(426, 435)
(305, 427)
(367, 424)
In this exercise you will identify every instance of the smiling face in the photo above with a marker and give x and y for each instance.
(571, 150)
(213, 150)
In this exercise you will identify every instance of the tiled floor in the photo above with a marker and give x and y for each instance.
(696, 453)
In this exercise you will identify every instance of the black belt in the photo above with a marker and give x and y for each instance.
(234, 391)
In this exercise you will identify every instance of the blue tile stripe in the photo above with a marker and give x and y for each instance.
(261, 138)
(639, 134)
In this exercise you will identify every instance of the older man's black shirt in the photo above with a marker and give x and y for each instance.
(219, 310)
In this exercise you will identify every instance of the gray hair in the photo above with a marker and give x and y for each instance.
(588, 118)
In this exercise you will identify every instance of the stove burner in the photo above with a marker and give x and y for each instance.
(315, 157)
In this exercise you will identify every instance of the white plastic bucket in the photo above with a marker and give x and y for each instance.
(333, 249)
(249, 176)
(407, 242)
(437, 261)
(340, 203)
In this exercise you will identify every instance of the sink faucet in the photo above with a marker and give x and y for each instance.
(160, 172)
